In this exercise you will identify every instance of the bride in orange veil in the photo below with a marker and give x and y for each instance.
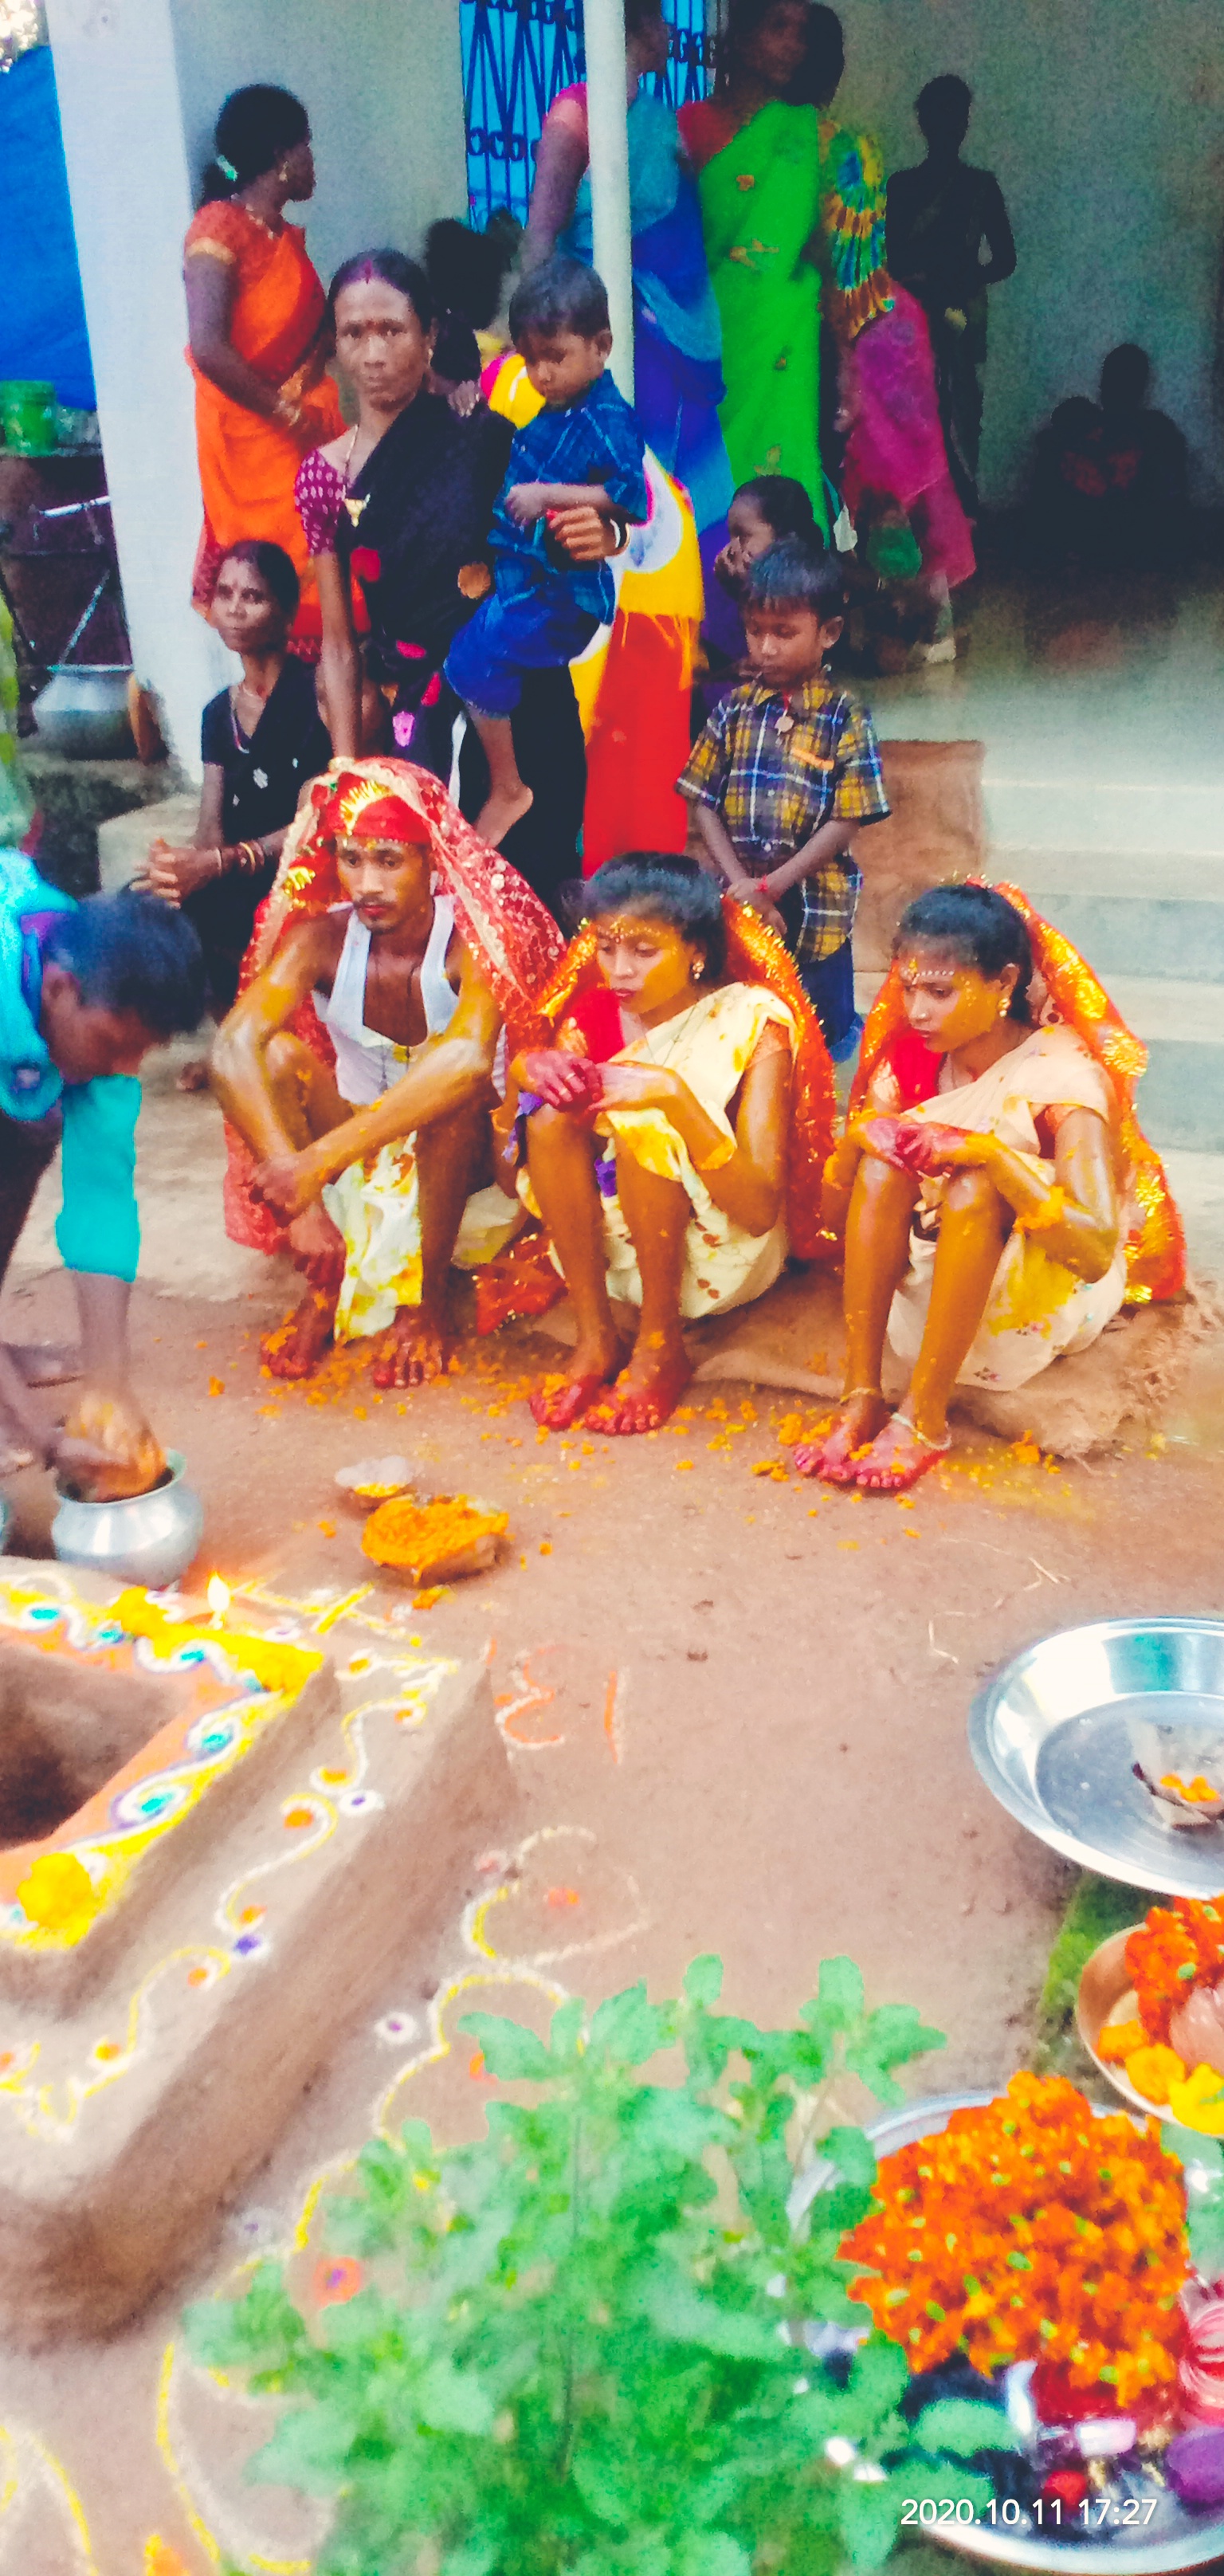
(999, 1198)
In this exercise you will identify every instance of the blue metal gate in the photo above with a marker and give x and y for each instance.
(517, 54)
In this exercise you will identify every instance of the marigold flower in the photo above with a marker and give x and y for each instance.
(1175, 1949)
(1031, 2230)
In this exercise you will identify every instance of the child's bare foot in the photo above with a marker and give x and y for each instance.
(501, 811)
(898, 1457)
(297, 1346)
(646, 1392)
(858, 1419)
(558, 1402)
(417, 1348)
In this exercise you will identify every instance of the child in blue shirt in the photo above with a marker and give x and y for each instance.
(584, 449)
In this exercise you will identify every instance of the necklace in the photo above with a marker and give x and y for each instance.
(677, 1022)
(354, 508)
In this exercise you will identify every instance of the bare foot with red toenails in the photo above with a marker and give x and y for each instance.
(835, 1458)
(418, 1348)
(561, 1401)
(647, 1390)
(899, 1456)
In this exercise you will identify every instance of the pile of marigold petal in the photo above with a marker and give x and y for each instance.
(1030, 2230)
(1176, 1948)
(417, 1537)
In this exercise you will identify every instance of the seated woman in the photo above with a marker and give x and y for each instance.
(673, 1135)
(262, 740)
(999, 1199)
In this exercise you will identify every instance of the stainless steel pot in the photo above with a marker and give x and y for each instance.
(151, 1539)
(83, 712)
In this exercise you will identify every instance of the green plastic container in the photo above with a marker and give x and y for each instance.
(28, 424)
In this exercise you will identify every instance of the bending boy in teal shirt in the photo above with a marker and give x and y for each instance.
(85, 991)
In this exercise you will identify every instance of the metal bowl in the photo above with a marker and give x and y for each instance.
(6, 1514)
(83, 712)
(151, 1539)
(1056, 1734)
(1190, 2539)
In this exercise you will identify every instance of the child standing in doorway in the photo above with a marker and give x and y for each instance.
(785, 774)
(583, 449)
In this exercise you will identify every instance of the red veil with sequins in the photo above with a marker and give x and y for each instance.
(499, 918)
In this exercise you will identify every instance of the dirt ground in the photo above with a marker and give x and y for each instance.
(735, 1706)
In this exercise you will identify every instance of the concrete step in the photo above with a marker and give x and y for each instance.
(1197, 1183)
(1058, 814)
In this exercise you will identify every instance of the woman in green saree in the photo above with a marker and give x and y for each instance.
(758, 165)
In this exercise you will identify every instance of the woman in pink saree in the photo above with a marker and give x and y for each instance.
(895, 466)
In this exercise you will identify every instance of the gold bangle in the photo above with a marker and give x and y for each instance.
(714, 1161)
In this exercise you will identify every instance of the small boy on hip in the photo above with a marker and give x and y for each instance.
(785, 774)
(584, 449)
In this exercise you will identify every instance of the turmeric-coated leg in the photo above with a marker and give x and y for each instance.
(877, 1255)
(561, 1160)
(973, 1229)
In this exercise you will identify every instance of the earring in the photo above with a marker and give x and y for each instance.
(282, 173)
(1004, 1008)
(696, 970)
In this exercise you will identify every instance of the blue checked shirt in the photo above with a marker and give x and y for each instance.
(774, 790)
(595, 440)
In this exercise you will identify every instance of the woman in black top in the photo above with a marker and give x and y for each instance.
(261, 740)
(399, 506)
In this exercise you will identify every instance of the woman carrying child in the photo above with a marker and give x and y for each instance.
(402, 503)
(262, 739)
(673, 1135)
(999, 1199)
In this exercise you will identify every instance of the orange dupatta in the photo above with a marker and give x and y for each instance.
(1156, 1244)
(755, 955)
(248, 466)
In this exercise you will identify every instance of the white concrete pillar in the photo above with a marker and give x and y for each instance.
(122, 120)
(604, 36)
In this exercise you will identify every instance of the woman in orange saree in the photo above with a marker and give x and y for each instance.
(255, 309)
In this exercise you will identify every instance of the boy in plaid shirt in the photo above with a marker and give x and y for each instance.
(785, 773)
(584, 448)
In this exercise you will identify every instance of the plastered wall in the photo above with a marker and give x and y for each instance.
(383, 84)
(1104, 120)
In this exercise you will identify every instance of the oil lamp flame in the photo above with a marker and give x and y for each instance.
(218, 1598)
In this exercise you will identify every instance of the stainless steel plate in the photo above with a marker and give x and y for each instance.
(1057, 1731)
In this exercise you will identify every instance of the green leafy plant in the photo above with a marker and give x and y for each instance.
(579, 2342)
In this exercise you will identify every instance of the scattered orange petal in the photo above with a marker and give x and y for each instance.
(216, 1386)
(546, 1547)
